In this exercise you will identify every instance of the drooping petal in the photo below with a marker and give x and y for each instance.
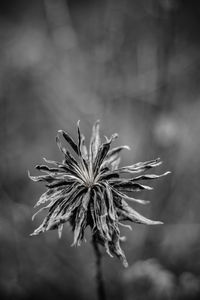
(101, 228)
(103, 212)
(110, 204)
(81, 218)
(128, 213)
(115, 247)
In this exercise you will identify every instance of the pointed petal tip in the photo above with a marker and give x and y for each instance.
(108, 252)
(34, 233)
(125, 264)
(145, 202)
(127, 147)
(123, 238)
(114, 136)
(75, 244)
(168, 172)
(31, 177)
(45, 159)
(156, 223)
(149, 188)
(57, 139)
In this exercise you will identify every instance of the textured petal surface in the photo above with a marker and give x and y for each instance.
(88, 190)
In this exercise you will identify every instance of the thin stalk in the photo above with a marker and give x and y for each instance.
(99, 276)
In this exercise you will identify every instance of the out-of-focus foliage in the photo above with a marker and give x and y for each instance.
(134, 65)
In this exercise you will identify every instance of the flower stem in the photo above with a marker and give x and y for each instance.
(99, 276)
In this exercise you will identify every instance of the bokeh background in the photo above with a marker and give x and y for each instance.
(135, 65)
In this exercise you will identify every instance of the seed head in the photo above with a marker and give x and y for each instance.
(88, 190)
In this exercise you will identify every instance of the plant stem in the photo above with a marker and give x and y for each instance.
(99, 276)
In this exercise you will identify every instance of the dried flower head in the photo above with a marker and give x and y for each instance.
(89, 190)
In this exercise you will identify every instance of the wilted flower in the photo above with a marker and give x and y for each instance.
(88, 190)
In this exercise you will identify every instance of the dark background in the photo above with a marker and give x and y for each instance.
(135, 65)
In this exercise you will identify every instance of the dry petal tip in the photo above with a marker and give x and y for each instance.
(166, 173)
(97, 122)
(60, 228)
(106, 138)
(125, 263)
(31, 177)
(34, 233)
(108, 251)
(114, 136)
(126, 226)
(157, 223)
(145, 202)
(127, 147)
(149, 188)
(122, 238)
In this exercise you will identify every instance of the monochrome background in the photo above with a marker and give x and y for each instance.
(135, 65)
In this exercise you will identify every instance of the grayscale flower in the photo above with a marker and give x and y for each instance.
(88, 190)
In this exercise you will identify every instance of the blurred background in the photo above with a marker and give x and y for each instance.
(135, 65)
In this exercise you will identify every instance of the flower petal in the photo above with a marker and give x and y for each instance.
(150, 176)
(123, 196)
(95, 142)
(130, 186)
(69, 139)
(81, 218)
(113, 155)
(141, 166)
(128, 213)
(101, 154)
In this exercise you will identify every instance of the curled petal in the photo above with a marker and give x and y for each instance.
(141, 166)
(150, 176)
(128, 213)
(113, 155)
